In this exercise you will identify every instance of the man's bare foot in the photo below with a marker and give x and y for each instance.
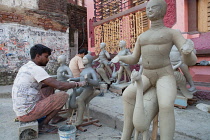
(57, 119)
(48, 129)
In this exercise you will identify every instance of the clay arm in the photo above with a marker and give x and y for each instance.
(94, 81)
(69, 72)
(74, 79)
(97, 59)
(185, 47)
(130, 59)
(53, 76)
(177, 65)
(107, 55)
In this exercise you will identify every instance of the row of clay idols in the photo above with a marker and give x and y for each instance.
(155, 88)
(81, 96)
(181, 70)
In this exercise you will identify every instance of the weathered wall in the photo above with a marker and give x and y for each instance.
(24, 23)
(30, 4)
(16, 41)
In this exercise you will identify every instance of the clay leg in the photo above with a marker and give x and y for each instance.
(96, 93)
(166, 93)
(129, 99)
(102, 73)
(128, 71)
(188, 77)
(181, 83)
(136, 134)
(108, 68)
(119, 75)
(81, 104)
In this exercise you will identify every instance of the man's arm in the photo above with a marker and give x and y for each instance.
(130, 59)
(62, 85)
(81, 69)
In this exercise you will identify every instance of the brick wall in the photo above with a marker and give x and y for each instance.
(21, 28)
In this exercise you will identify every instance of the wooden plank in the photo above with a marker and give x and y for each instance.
(124, 13)
(155, 128)
(202, 15)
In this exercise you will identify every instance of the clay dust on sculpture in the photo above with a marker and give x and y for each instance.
(154, 46)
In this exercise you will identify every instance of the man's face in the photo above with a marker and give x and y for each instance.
(43, 59)
(82, 55)
(153, 10)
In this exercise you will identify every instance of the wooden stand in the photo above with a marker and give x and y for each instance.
(86, 122)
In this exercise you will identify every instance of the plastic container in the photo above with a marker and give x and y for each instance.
(67, 132)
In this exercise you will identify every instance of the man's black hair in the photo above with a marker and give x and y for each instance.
(39, 49)
(81, 51)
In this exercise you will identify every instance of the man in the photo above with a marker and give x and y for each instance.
(33, 89)
(154, 47)
(76, 66)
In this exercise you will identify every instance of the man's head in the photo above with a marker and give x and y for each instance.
(156, 9)
(82, 52)
(39, 54)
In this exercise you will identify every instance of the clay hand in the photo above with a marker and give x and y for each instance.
(188, 47)
(115, 59)
(135, 75)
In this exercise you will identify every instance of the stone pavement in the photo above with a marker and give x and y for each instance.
(191, 123)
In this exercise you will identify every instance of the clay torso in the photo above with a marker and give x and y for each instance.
(102, 55)
(61, 71)
(175, 56)
(156, 48)
(122, 53)
(89, 71)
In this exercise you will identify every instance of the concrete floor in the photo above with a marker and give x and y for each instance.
(191, 123)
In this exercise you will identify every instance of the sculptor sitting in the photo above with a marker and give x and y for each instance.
(154, 46)
(33, 91)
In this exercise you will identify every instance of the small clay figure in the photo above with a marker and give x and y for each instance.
(123, 66)
(103, 67)
(175, 58)
(63, 71)
(86, 93)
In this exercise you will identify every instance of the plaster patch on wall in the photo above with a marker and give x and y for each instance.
(29, 4)
(16, 41)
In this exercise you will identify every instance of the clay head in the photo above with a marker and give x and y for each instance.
(102, 45)
(61, 59)
(156, 9)
(122, 44)
(87, 59)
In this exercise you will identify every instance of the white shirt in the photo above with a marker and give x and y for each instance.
(25, 90)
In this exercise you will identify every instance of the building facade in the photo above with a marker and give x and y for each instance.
(112, 21)
(24, 23)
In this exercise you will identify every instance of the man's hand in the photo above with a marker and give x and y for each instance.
(81, 84)
(115, 59)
